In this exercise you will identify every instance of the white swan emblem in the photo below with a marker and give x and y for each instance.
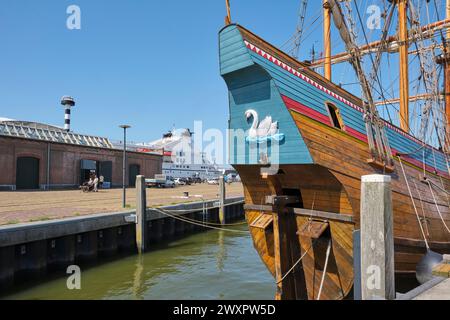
(264, 130)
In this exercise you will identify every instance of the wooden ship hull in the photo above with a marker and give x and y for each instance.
(319, 160)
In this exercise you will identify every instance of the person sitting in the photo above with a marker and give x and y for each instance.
(88, 185)
(95, 183)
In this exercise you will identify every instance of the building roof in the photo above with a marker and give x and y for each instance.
(33, 124)
(45, 132)
(5, 119)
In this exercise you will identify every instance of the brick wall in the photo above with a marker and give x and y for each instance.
(65, 161)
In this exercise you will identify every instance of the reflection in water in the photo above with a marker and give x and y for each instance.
(221, 251)
(138, 283)
(209, 265)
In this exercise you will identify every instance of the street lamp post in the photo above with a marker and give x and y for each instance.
(124, 162)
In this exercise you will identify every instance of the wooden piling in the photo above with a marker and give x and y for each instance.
(141, 208)
(222, 197)
(377, 240)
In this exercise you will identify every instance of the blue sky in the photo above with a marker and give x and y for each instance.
(148, 63)
(151, 64)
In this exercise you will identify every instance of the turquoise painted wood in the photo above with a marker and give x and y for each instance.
(233, 53)
(251, 87)
(256, 83)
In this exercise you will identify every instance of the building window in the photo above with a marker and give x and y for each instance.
(335, 116)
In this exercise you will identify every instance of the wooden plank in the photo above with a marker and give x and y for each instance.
(313, 229)
(324, 215)
(262, 222)
(377, 239)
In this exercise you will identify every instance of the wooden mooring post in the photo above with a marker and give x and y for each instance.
(377, 240)
(222, 197)
(141, 209)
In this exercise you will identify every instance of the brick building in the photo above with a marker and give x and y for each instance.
(38, 156)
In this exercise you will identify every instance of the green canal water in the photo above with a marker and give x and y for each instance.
(209, 265)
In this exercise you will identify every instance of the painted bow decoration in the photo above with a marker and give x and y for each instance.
(262, 131)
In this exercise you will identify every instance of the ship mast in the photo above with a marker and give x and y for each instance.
(447, 82)
(403, 63)
(327, 39)
(228, 17)
(377, 138)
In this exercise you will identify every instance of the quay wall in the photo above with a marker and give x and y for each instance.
(32, 250)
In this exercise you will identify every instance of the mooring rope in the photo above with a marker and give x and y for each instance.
(199, 224)
(437, 207)
(196, 210)
(414, 204)
(324, 270)
(208, 223)
(206, 208)
(296, 263)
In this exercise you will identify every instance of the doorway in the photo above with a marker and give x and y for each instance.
(27, 173)
(134, 170)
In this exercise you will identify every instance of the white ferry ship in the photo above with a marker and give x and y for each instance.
(180, 158)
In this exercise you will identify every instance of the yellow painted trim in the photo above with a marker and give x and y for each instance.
(339, 131)
(343, 133)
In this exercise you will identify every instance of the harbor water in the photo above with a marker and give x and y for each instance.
(208, 265)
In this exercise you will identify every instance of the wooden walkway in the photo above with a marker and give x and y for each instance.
(441, 291)
(438, 288)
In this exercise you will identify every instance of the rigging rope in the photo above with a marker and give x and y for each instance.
(414, 204)
(440, 178)
(443, 190)
(437, 207)
(423, 211)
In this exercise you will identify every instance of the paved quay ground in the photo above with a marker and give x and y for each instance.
(28, 206)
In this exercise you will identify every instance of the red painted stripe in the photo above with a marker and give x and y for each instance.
(420, 164)
(356, 134)
(297, 106)
(324, 89)
(294, 105)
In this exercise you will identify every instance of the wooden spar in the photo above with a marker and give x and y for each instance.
(447, 83)
(393, 45)
(403, 64)
(423, 96)
(327, 39)
(391, 48)
(228, 17)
